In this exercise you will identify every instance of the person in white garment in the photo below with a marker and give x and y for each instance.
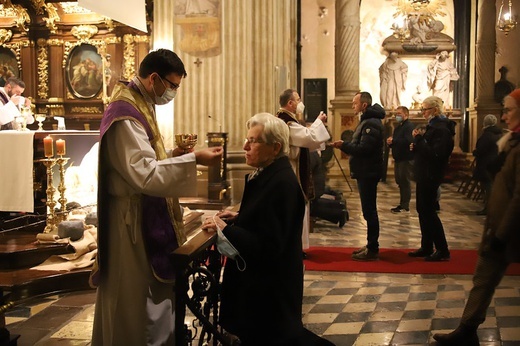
(302, 139)
(11, 104)
(140, 219)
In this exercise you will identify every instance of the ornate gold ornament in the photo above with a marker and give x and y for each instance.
(43, 69)
(5, 36)
(19, 14)
(84, 32)
(128, 57)
(73, 7)
(50, 21)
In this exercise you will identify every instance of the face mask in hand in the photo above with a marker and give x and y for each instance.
(227, 249)
(300, 107)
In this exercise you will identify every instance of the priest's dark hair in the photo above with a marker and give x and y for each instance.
(163, 62)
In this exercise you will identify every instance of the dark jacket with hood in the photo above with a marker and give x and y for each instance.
(486, 151)
(366, 147)
(432, 149)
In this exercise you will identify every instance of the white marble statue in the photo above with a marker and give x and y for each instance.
(392, 75)
(441, 73)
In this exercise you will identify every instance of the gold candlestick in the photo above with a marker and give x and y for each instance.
(62, 161)
(50, 227)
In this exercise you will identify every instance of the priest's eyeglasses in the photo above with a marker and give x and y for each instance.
(174, 86)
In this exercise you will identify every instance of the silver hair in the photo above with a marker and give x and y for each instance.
(275, 130)
(435, 101)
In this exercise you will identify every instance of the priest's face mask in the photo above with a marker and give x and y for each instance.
(165, 88)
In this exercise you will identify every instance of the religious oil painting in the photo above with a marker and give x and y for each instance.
(8, 65)
(84, 71)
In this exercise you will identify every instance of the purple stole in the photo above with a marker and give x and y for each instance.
(157, 227)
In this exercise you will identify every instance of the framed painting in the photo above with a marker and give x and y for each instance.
(8, 65)
(84, 71)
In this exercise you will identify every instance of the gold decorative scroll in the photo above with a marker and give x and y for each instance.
(5, 36)
(128, 57)
(18, 14)
(54, 42)
(50, 21)
(43, 69)
(109, 23)
(84, 32)
(73, 8)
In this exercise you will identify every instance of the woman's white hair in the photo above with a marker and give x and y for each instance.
(275, 130)
(435, 101)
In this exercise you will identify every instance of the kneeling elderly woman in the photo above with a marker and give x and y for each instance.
(262, 288)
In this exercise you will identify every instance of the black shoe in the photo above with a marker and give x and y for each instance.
(462, 336)
(304, 255)
(438, 256)
(399, 209)
(420, 252)
(343, 218)
(482, 212)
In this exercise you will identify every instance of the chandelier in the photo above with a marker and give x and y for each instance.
(506, 21)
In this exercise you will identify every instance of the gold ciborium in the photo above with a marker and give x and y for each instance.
(186, 141)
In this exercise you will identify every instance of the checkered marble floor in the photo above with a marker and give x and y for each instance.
(346, 308)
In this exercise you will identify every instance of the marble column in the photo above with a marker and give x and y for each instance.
(347, 70)
(485, 70)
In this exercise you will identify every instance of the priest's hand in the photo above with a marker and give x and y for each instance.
(209, 156)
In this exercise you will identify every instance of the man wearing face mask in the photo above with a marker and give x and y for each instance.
(11, 101)
(302, 140)
(403, 157)
(140, 219)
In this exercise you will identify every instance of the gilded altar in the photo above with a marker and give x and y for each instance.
(68, 57)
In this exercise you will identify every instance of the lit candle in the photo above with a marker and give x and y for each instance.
(48, 147)
(60, 147)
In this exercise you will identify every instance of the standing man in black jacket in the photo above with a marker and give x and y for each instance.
(403, 157)
(432, 149)
(366, 165)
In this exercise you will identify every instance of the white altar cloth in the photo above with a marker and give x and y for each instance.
(16, 172)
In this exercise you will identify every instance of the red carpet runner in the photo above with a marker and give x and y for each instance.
(393, 261)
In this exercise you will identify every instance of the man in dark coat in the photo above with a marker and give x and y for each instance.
(501, 237)
(403, 157)
(432, 149)
(366, 165)
(485, 152)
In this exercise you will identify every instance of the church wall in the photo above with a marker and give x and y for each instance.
(508, 53)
